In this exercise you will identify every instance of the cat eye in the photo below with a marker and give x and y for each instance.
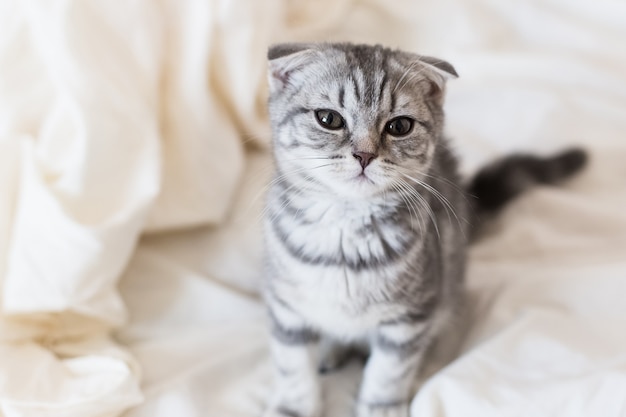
(399, 126)
(329, 119)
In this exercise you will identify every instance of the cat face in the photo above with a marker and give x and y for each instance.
(354, 120)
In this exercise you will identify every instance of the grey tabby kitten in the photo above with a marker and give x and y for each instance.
(367, 220)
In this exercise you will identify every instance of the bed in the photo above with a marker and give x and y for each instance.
(134, 152)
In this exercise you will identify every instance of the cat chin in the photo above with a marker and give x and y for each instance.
(358, 188)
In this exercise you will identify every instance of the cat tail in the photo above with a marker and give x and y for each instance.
(501, 181)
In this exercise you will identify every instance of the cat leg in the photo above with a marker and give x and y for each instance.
(397, 353)
(293, 347)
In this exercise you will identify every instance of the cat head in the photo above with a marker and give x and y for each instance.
(354, 119)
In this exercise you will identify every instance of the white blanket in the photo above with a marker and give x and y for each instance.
(118, 121)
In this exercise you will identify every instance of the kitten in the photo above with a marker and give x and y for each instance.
(367, 220)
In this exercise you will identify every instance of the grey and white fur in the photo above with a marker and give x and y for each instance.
(367, 221)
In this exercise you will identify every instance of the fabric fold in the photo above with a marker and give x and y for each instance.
(108, 128)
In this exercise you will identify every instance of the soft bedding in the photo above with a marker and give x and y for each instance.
(134, 150)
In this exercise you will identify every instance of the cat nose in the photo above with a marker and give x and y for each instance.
(364, 158)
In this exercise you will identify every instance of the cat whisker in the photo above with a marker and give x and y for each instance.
(302, 158)
(408, 204)
(424, 205)
(412, 76)
(412, 203)
(406, 72)
(292, 188)
(445, 202)
(436, 194)
(461, 191)
(270, 184)
(279, 178)
(271, 166)
(277, 213)
(420, 202)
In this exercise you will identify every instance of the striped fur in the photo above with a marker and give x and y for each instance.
(368, 257)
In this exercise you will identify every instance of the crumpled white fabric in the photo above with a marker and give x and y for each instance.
(118, 120)
(114, 121)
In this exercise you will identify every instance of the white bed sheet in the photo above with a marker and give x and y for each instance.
(173, 145)
(544, 334)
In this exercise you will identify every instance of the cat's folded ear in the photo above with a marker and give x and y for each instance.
(286, 60)
(442, 67)
(438, 72)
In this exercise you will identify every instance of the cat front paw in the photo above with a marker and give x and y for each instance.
(392, 409)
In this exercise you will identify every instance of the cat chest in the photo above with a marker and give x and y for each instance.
(339, 270)
(356, 242)
(347, 304)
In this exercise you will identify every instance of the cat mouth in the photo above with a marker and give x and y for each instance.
(363, 178)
